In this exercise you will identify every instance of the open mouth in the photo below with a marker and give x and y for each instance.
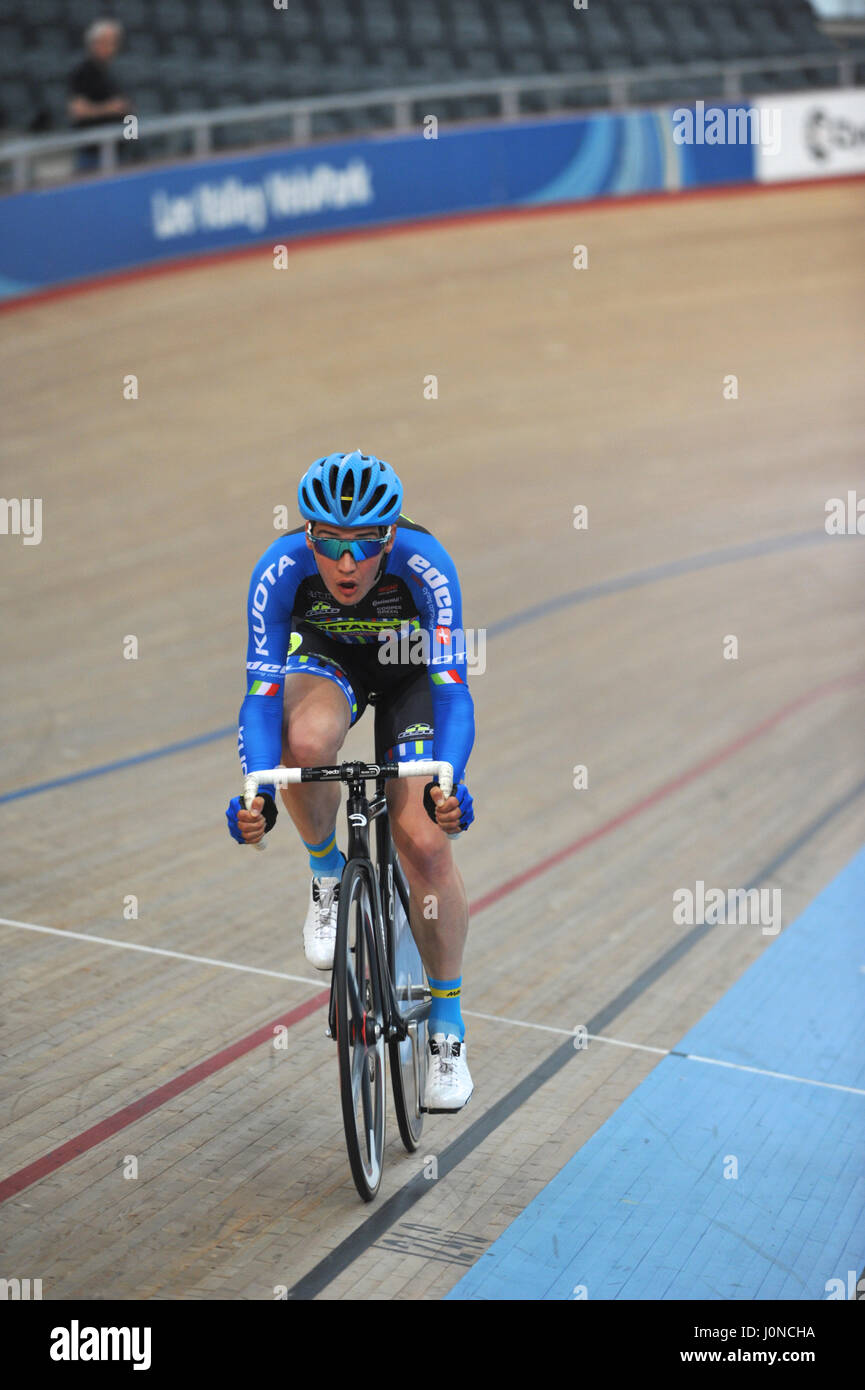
(347, 587)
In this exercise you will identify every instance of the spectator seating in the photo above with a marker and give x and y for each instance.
(180, 55)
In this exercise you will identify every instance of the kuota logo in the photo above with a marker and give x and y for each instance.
(260, 596)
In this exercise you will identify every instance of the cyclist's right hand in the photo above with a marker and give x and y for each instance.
(246, 827)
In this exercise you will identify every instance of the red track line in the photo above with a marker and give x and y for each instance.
(50, 1162)
(202, 260)
(666, 789)
(112, 1124)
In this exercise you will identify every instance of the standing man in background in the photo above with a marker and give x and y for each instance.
(94, 94)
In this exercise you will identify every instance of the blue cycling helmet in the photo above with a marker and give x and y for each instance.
(350, 490)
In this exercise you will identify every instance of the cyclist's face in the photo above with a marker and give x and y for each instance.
(347, 579)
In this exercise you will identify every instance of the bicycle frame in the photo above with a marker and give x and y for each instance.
(360, 811)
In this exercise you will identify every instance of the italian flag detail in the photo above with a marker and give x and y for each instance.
(263, 688)
(446, 678)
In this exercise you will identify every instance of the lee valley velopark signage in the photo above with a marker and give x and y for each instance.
(820, 136)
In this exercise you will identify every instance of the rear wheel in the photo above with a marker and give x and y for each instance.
(360, 1028)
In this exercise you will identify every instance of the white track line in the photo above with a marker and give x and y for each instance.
(780, 1075)
(161, 951)
(567, 1032)
(519, 1023)
(668, 1052)
(491, 1018)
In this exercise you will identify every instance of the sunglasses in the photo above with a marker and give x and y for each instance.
(333, 548)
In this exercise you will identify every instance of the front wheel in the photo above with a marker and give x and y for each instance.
(360, 1028)
(407, 1057)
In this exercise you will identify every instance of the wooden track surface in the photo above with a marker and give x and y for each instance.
(556, 387)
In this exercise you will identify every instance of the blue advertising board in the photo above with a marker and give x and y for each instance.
(98, 226)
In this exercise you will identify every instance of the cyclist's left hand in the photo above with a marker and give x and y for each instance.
(454, 814)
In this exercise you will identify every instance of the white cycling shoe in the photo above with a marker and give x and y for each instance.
(448, 1083)
(319, 929)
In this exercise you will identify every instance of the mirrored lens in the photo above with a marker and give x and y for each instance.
(333, 548)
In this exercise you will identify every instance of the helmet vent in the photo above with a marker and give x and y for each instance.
(377, 497)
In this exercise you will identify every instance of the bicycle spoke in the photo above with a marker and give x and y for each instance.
(407, 1056)
(366, 1095)
(355, 999)
(362, 1070)
(375, 1166)
(358, 1067)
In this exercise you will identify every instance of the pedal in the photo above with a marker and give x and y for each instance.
(425, 1111)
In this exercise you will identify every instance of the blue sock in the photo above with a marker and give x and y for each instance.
(445, 1015)
(325, 859)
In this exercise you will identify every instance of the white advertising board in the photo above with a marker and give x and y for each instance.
(817, 136)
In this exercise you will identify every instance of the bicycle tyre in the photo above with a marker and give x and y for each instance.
(408, 1057)
(359, 1013)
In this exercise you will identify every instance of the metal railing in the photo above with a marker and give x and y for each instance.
(508, 93)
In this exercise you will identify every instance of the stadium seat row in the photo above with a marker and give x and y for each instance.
(183, 54)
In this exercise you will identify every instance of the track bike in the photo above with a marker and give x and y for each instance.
(379, 998)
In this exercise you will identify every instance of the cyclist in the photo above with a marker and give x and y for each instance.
(361, 606)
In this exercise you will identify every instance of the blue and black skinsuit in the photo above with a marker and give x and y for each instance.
(423, 709)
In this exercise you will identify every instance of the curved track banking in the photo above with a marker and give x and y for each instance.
(555, 388)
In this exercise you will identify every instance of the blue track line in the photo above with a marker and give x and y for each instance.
(136, 758)
(638, 579)
(635, 580)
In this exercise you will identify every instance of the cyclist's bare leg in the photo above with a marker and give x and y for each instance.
(316, 720)
(439, 908)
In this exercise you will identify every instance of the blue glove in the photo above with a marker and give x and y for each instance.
(237, 803)
(464, 801)
(466, 805)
